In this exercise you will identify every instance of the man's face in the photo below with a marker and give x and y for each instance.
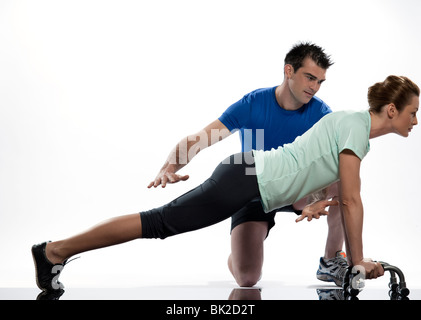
(306, 81)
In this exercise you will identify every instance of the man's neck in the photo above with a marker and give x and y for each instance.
(285, 99)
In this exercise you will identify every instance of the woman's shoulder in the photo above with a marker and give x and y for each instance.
(348, 116)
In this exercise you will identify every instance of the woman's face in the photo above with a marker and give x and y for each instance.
(407, 118)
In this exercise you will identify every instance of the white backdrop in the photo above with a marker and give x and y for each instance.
(94, 94)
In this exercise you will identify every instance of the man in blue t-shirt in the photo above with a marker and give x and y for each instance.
(266, 119)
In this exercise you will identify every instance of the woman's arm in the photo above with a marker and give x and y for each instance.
(351, 204)
(353, 213)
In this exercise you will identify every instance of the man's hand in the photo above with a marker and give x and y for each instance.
(167, 175)
(186, 149)
(316, 210)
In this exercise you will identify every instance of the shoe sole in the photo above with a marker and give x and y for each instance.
(328, 278)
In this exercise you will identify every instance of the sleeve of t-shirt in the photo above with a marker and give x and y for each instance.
(325, 109)
(237, 115)
(353, 136)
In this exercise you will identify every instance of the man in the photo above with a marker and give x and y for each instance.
(268, 118)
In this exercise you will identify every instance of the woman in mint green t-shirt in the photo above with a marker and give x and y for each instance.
(329, 152)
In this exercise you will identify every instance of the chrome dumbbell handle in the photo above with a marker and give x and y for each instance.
(393, 285)
(352, 287)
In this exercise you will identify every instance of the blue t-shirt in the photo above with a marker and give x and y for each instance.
(264, 125)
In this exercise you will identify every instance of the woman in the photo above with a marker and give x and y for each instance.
(330, 151)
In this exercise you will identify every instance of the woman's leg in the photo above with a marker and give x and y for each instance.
(110, 232)
(335, 237)
(50, 257)
(230, 188)
(226, 191)
(246, 259)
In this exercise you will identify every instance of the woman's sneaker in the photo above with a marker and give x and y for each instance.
(46, 273)
(330, 294)
(333, 270)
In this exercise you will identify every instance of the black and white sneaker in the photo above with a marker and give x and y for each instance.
(46, 273)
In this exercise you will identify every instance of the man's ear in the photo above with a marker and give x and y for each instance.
(288, 70)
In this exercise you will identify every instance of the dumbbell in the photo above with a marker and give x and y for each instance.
(396, 290)
(353, 283)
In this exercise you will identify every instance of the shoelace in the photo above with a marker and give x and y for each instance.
(66, 262)
(55, 283)
(341, 261)
(343, 266)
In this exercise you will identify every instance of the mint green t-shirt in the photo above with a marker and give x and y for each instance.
(311, 163)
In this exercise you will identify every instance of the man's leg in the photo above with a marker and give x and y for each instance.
(246, 259)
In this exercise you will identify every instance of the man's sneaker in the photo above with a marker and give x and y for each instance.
(46, 273)
(333, 270)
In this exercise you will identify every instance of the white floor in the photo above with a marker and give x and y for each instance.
(267, 290)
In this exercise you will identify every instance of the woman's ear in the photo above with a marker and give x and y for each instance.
(391, 110)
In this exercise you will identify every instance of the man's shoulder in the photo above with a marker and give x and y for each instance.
(319, 104)
(261, 92)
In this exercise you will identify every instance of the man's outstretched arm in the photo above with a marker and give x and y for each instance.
(186, 149)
